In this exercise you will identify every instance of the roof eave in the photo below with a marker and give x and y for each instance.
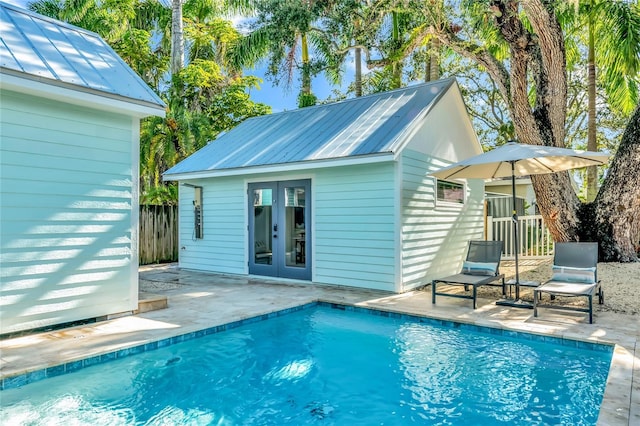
(60, 91)
(280, 168)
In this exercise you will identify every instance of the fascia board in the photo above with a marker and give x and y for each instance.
(281, 168)
(76, 96)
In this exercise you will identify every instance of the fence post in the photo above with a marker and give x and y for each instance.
(488, 228)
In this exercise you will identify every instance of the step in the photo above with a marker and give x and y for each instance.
(151, 302)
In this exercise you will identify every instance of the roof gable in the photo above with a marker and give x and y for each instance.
(365, 126)
(40, 48)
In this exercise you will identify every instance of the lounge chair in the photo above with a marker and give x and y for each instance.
(575, 273)
(479, 268)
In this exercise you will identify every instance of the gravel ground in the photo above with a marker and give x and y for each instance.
(620, 283)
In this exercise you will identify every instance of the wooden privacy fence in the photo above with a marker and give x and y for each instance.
(534, 239)
(158, 234)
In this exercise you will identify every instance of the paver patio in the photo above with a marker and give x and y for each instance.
(199, 300)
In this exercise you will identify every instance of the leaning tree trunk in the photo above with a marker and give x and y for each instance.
(617, 206)
(542, 57)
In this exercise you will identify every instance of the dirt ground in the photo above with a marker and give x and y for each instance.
(620, 282)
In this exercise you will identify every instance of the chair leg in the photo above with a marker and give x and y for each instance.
(504, 289)
(475, 293)
(590, 309)
(535, 303)
(433, 292)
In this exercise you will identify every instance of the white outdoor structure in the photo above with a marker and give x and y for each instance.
(336, 194)
(69, 145)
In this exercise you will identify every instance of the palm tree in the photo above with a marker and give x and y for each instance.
(284, 32)
(617, 50)
(111, 20)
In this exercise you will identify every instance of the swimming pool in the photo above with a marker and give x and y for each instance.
(331, 366)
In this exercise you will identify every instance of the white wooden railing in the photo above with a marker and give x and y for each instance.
(534, 239)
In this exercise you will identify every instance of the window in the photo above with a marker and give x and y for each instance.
(450, 192)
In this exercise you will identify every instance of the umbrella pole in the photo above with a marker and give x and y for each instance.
(516, 303)
(514, 218)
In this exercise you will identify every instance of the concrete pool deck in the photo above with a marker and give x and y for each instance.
(199, 300)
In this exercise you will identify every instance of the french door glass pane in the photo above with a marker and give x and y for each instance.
(295, 227)
(263, 214)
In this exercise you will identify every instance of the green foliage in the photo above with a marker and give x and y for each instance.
(136, 50)
(306, 99)
(206, 97)
(160, 195)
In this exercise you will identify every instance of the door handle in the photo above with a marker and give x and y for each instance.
(275, 228)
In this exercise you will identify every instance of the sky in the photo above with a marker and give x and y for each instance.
(279, 98)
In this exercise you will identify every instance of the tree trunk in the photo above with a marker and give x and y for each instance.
(177, 37)
(558, 204)
(396, 66)
(434, 60)
(306, 97)
(617, 206)
(306, 71)
(592, 145)
(358, 77)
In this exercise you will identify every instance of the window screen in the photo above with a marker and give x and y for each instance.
(450, 192)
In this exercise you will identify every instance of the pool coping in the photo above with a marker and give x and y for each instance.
(22, 379)
(201, 299)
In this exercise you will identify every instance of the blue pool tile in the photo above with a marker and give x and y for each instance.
(73, 366)
(150, 346)
(14, 382)
(177, 339)
(56, 370)
(87, 362)
(107, 357)
(164, 342)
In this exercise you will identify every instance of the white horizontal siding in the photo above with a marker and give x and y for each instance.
(434, 235)
(222, 248)
(354, 226)
(68, 247)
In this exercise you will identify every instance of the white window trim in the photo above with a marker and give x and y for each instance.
(439, 202)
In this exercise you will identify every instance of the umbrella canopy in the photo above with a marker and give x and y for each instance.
(516, 159)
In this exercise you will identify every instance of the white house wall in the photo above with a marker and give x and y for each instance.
(435, 234)
(354, 226)
(68, 197)
(224, 211)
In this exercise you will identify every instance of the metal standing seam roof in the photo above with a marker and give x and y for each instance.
(363, 126)
(41, 48)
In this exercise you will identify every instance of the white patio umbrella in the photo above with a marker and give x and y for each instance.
(515, 159)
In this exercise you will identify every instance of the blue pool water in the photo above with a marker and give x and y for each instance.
(327, 366)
